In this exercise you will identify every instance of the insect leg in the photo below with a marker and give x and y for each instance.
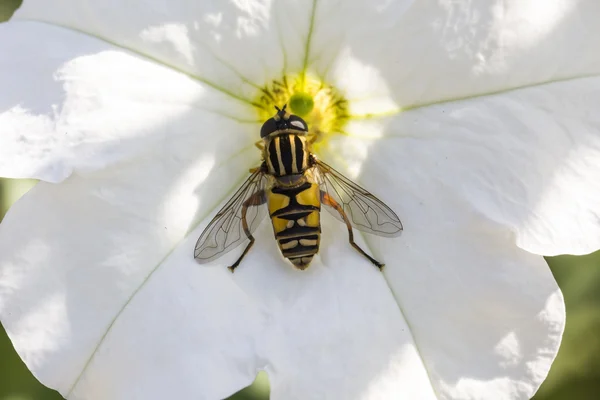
(256, 199)
(260, 144)
(311, 138)
(314, 136)
(262, 167)
(330, 201)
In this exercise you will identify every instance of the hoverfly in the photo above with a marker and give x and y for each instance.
(293, 184)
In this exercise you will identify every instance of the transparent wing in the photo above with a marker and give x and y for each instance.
(365, 211)
(225, 232)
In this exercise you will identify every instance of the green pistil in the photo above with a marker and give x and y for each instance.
(301, 104)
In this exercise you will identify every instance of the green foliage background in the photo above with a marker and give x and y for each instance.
(575, 374)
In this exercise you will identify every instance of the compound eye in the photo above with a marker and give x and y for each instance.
(268, 127)
(298, 123)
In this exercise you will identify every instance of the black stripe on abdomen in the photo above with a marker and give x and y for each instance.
(295, 228)
(299, 246)
(297, 231)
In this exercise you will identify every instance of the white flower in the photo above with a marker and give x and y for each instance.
(475, 121)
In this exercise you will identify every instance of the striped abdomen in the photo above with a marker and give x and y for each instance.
(295, 214)
(286, 154)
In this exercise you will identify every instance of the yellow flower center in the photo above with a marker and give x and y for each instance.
(319, 104)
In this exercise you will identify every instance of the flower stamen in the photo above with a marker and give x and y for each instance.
(323, 108)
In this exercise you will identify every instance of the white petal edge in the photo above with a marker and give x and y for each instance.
(335, 329)
(276, 305)
(487, 317)
(74, 103)
(133, 247)
(190, 331)
(413, 53)
(394, 55)
(528, 160)
(75, 254)
(238, 46)
(336, 324)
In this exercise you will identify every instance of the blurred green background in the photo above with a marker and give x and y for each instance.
(574, 375)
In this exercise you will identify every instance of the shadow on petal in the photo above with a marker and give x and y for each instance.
(95, 239)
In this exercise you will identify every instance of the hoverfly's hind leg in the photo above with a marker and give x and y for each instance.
(330, 201)
(256, 199)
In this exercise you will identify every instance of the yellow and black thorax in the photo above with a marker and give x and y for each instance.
(286, 154)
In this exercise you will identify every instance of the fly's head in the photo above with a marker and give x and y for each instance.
(281, 122)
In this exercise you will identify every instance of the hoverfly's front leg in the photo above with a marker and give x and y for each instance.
(330, 201)
(314, 136)
(256, 199)
(262, 167)
(261, 146)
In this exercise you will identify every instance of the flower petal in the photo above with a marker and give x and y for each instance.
(234, 45)
(422, 52)
(82, 291)
(335, 331)
(486, 316)
(527, 159)
(71, 102)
